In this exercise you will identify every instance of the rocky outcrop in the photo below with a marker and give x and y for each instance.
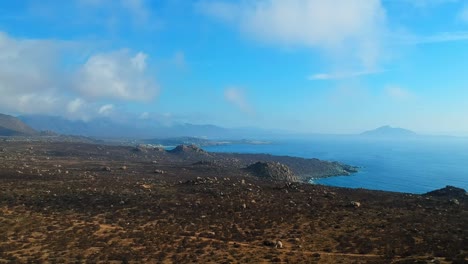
(187, 149)
(448, 192)
(273, 171)
(304, 168)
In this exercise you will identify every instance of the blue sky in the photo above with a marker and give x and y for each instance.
(315, 66)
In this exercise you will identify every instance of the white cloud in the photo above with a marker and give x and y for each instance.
(340, 75)
(32, 82)
(397, 92)
(139, 61)
(236, 96)
(352, 28)
(78, 109)
(116, 75)
(26, 64)
(29, 79)
(31, 103)
(75, 105)
(106, 109)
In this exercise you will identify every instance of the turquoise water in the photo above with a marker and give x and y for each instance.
(413, 166)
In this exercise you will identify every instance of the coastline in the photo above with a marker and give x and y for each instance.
(397, 166)
(150, 205)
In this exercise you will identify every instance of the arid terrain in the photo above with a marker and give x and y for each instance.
(88, 203)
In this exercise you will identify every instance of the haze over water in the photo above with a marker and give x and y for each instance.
(413, 166)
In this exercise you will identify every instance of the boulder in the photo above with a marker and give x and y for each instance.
(279, 244)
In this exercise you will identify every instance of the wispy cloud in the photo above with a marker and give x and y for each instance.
(398, 93)
(106, 109)
(223, 10)
(463, 14)
(436, 38)
(429, 3)
(138, 9)
(236, 96)
(144, 116)
(340, 75)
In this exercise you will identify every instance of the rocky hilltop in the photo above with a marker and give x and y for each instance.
(449, 192)
(187, 149)
(272, 171)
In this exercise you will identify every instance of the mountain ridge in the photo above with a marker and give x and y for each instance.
(138, 129)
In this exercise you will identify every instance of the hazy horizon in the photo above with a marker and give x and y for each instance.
(55, 124)
(268, 64)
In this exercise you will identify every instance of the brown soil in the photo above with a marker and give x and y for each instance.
(59, 205)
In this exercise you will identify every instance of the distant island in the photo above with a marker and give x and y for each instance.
(388, 131)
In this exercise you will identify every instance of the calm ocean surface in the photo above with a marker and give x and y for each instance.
(413, 166)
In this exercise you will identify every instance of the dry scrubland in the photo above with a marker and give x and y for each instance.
(84, 203)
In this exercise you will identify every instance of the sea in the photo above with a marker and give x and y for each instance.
(400, 165)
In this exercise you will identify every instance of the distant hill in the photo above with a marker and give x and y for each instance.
(388, 131)
(12, 126)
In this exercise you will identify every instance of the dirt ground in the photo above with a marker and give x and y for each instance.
(84, 203)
